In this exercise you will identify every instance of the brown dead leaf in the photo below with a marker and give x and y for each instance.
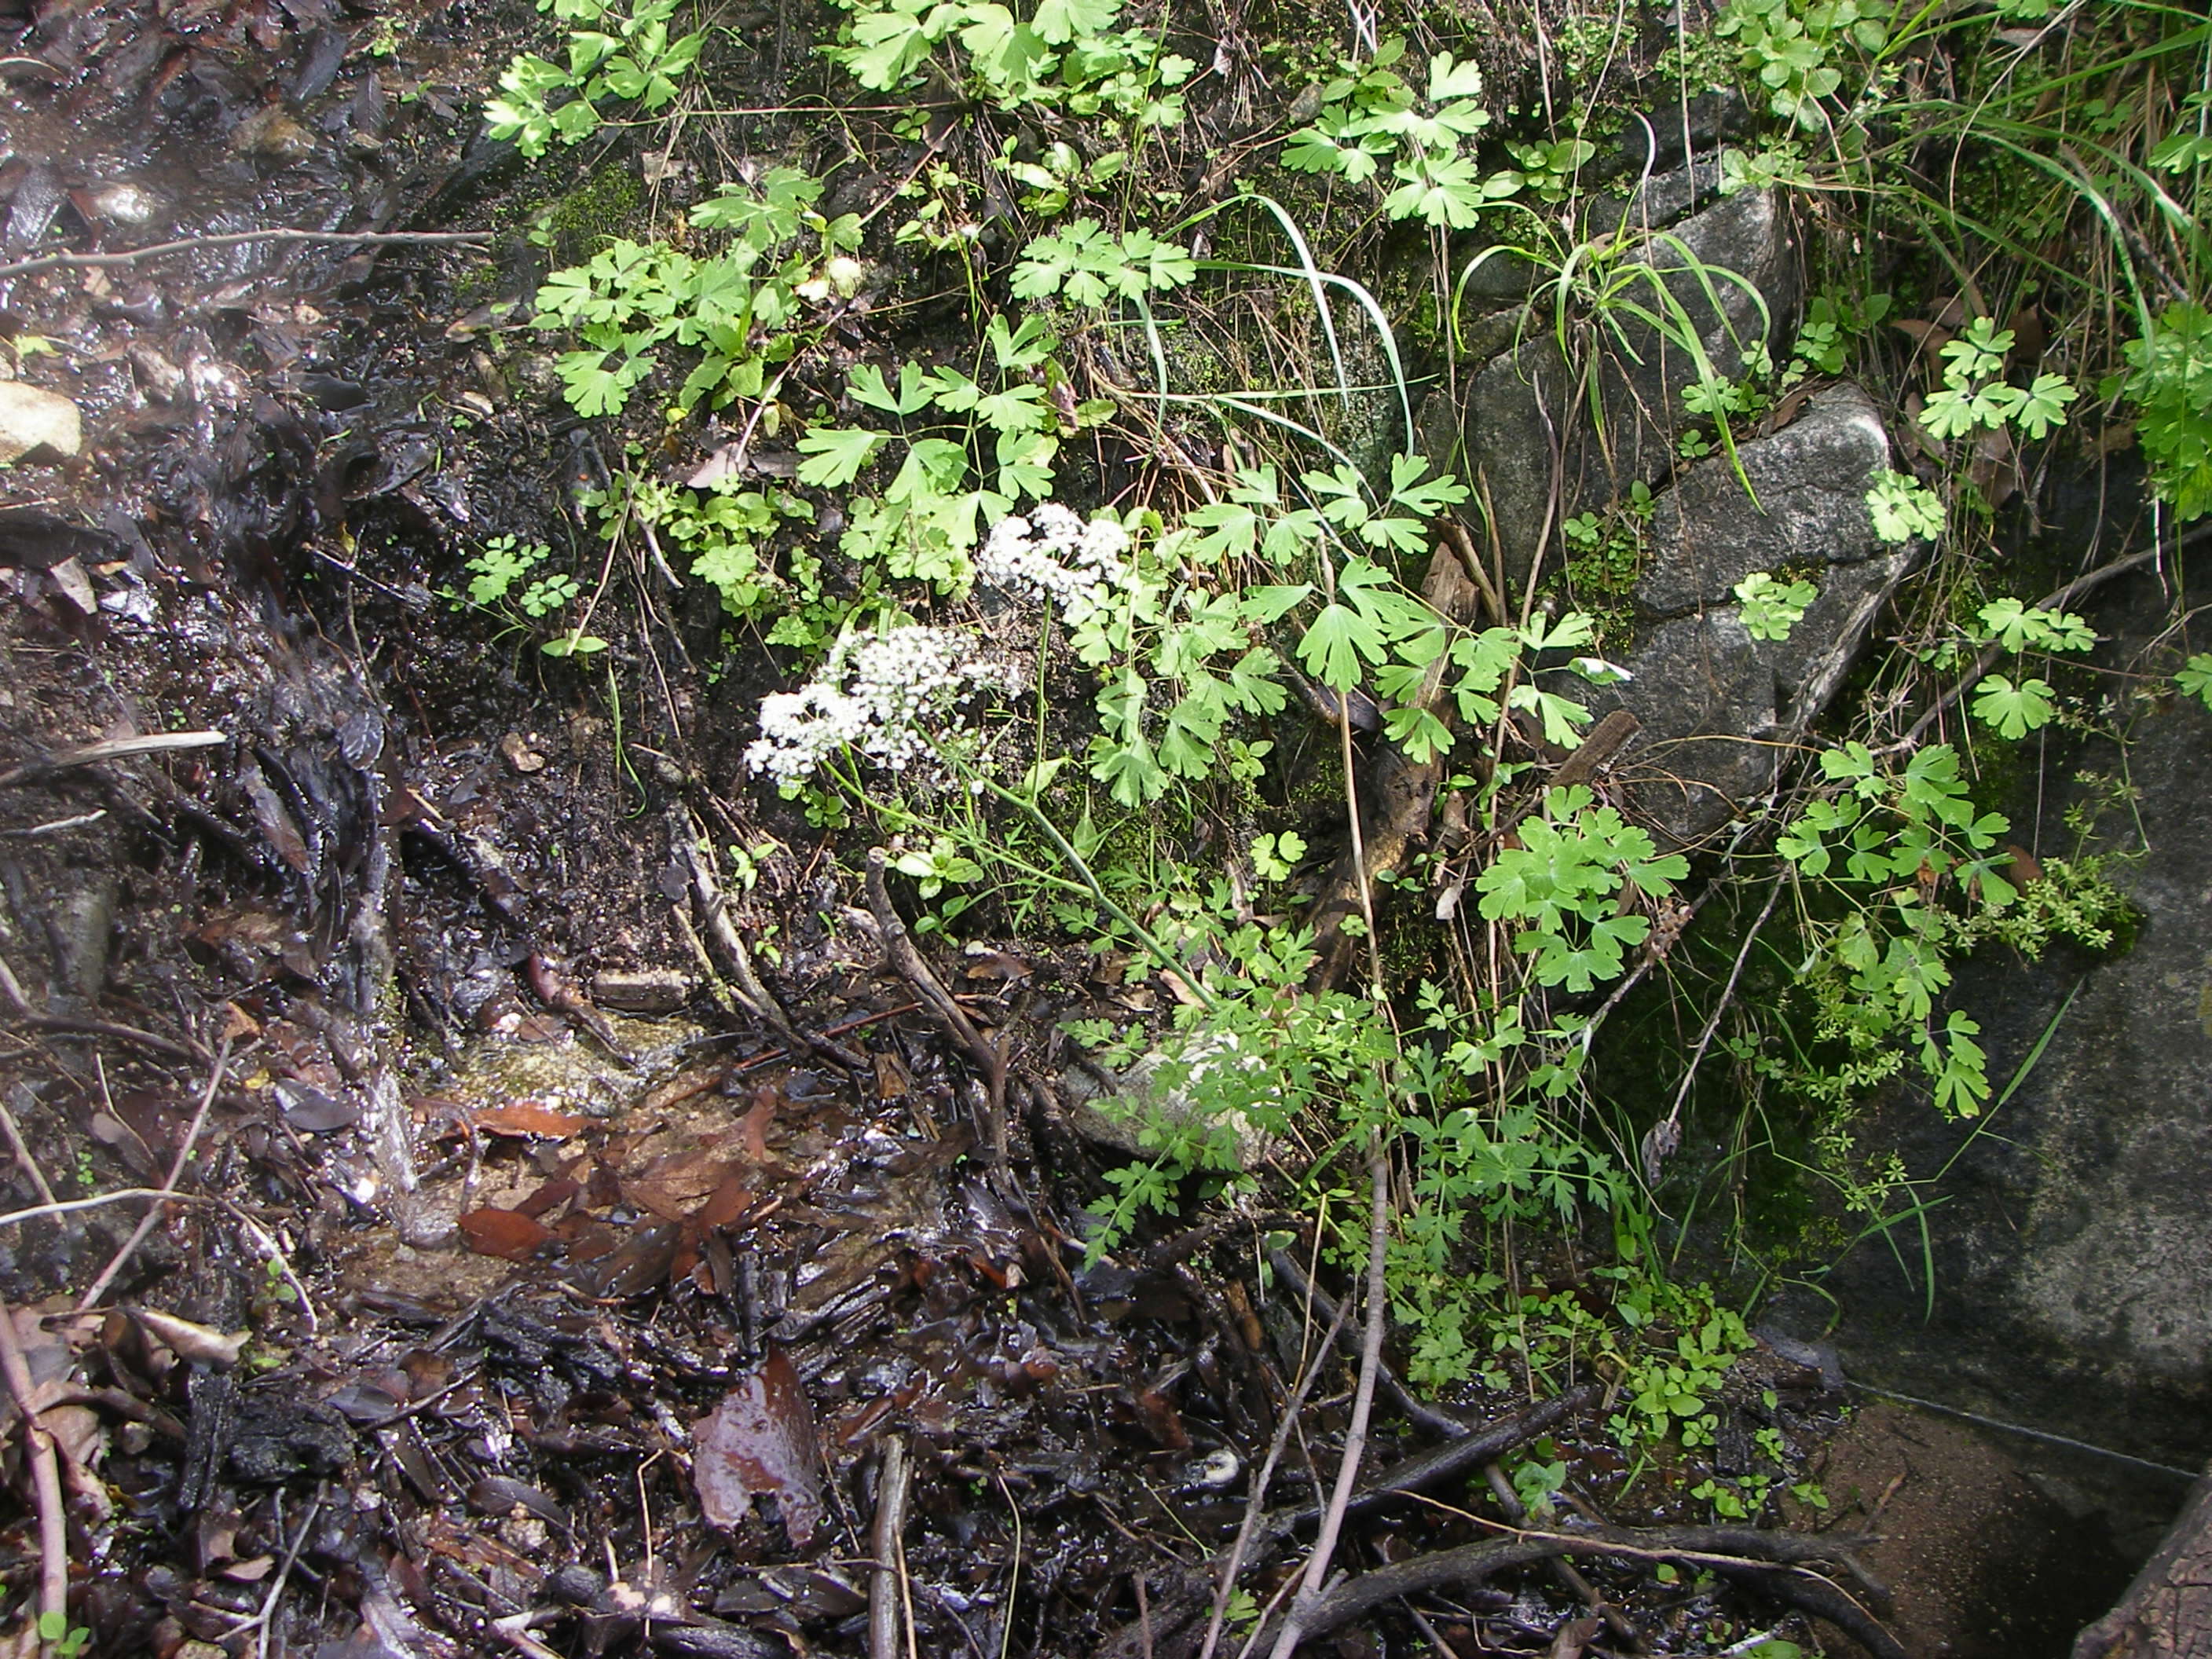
(192, 1341)
(507, 1234)
(529, 1117)
(755, 1126)
(760, 1443)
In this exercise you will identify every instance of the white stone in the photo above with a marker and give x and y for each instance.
(41, 421)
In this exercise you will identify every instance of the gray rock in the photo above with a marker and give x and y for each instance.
(35, 425)
(1720, 710)
(1809, 480)
(641, 990)
(1111, 1110)
(1526, 403)
(2073, 1250)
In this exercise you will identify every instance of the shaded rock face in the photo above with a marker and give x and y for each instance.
(1529, 402)
(2073, 1261)
(1719, 708)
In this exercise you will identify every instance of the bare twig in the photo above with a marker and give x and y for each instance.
(1434, 1418)
(46, 1476)
(148, 1221)
(1568, 1575)
(1662, 1137)
(1258, 1496)
(157, 742)
(12, 989)
(232, 239)
(900, 946)
(1362, 1404)
(70, 1205)
(2058, 599)
(892, 1483)
(24, 1161)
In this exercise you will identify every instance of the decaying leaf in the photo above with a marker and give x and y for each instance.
(191, 1341)
(528, 1117)
(759, 1443)
(508, 1234)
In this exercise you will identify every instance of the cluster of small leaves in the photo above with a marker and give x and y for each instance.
(745, 312)
(1064, 59)
(726, 531)
(610, 55)
(2169, 380)
(1909, 835)
(1177, 664)
(1093, 266)
(1372, 116)
(1570, 888)
(2016, 707)
(1772, 607)
(1974, 393)
(1903, 507)
(1791, 47)
(501, 584)
(969, 451)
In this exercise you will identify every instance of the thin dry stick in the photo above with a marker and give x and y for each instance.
(12, 989)
(70, 1205)
(1667, 1135)
(1257, 1498)
(891, 1487)
(232, 239)
(2055, 600)
(152, 1218)
(1362, 1404)
(45, 1478)
(23, 1158)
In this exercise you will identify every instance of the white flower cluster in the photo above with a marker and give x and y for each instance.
(872, 693)
(1054, 555)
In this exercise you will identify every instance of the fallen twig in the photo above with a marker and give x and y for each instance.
(232, 239)
(1296, 1620)
(899, 944)
(1741, 1549)
(12, 989)
(1258, 1496)
(24, 1161)
(892, 1484)
(46, 1477)
(1433, 1418)
(1456, 1458)
(153, 1216)
(1570, 1575)
(157, 742)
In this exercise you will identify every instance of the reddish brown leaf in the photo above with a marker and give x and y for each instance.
(729, 1201)
(528, 1117)
(755, 1124)
(551, 1196)
(508, 1234)
(760, 1443)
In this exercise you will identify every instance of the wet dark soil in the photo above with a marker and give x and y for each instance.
(515, 1324)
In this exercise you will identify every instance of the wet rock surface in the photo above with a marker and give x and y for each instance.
(1721, 711)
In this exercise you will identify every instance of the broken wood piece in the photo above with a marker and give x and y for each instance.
(1777, 1558)
(885, 1599)
(113, 749)
(899, 945)
(1396, 796)
(2167, 1613)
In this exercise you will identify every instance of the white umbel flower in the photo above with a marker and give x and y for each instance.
(1053, 554)
(886, 693)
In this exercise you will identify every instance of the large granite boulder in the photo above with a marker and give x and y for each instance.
(2072, 1252)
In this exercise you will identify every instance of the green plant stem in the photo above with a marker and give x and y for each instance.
(1167, 959)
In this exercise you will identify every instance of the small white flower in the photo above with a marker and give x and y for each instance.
(876, 693)
(1053, 553)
